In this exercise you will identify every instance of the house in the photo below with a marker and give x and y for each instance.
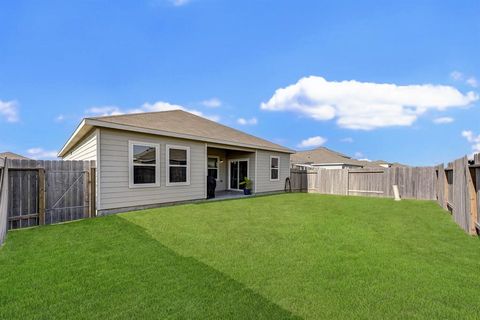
(380, 164)
(324, 158)
(147, 159)
(11, 155)
(328, 159)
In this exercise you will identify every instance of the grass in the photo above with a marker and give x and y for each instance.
(277, 257)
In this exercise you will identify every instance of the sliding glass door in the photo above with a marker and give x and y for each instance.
(238, 171)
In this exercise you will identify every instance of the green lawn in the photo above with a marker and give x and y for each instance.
(275, 257)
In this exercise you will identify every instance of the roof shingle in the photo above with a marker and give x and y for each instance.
(181, 122)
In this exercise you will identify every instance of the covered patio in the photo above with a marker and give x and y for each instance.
(228, 194)
(230, 167)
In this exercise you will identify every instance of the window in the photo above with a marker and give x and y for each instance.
(144, 164)
(274, 168)
(178, 165)
(212, 166)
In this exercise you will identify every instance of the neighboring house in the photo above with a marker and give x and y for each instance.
(379, 164)
(147, 159)
(324, 158)
(11, 155)
(328, 159)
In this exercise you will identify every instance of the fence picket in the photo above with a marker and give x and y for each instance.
(45, 192)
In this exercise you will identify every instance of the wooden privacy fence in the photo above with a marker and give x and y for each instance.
(3, 199)
(456, 188)
(45, 192)
(413, 183)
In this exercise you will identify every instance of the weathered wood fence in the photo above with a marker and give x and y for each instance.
(44, 192)
(459, 191)
(3, 199)
(413, 183)
(456, 187)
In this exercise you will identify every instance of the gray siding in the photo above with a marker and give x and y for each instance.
(114, 172)
(85, 149)
(263, 171)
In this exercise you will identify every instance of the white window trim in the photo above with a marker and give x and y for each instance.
(218, 166)
(270, 168)
(132, 185)
(167, 165)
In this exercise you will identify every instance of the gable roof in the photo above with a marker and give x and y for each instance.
(176, 123)
(11, 155)
(323, 155)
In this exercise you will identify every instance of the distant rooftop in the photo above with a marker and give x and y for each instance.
(11, 155)
(323, 155)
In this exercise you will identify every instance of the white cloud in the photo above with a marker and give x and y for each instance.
(179, 3)
(443, 120)
(212, 103)
(40, 153)
(472, 139)
(60, 118)
(358, 155)
(364, 105)
(456, 75)
(146, 107)
(312, 142)
(472, 81)
(347, 140)
(9, 110)
(104, 111)
(245, 122)
(459, 76)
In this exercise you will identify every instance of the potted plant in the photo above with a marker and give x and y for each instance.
(248, 186)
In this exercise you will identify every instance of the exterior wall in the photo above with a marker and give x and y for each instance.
(113, 165)
(336, 166)
(263, 171)
(222, 167)
(85, 149)
(333, 167)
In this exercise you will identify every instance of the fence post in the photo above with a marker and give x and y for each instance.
(41, 196)
(470, 172)
(93, 191)
(347, 192)
(476, 179)
(3, 200)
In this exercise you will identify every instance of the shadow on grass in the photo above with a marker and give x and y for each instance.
(111, 268)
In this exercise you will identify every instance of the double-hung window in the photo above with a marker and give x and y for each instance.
(212, 166)
(178, 165)
(274, 168)
(144, 164)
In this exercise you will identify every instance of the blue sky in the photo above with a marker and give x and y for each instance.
(380, 80)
